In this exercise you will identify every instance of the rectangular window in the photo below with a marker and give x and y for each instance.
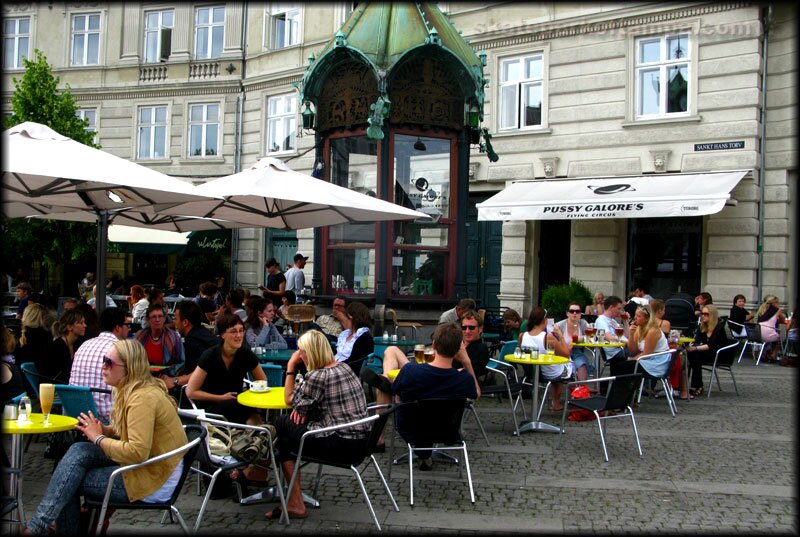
(285, 26)
(351, 247)
(152, 129)
(90, 115)
(281, 123)
(16, 42)
(86, 39)
(423, 182)
(662, 75)
(209, 32)
(521, 82)
(203, 130)
(157, 35)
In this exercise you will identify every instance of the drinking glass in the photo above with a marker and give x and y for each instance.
(428, 355)
(551, 322)
(517, 352)
(551, 347)
(619, 331)
(419, 353)
(296, 324)
(47, 393)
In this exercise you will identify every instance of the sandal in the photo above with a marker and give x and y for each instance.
(276, 513)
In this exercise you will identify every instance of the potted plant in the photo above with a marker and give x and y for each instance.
(556, 298)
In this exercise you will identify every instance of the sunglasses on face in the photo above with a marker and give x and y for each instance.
(469, 327)
(109, 363)
(705, 313)
(573, 311)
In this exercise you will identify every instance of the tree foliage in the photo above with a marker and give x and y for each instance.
(37, 98)
(556, 298)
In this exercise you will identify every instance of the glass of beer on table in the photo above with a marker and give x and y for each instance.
(619, 331)
(47, 393)
(419, 353)
(429, 355)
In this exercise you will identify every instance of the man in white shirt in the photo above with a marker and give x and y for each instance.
(295, 277)
(608, 322)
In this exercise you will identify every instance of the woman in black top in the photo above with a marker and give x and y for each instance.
(739, 315)
(355, 342)
(220, 373)
(35, 340)
(710, 337)
(67, 330)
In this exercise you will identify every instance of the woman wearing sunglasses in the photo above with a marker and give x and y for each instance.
(709, 337)
(144, 424)
(573, 328)
(647, 338)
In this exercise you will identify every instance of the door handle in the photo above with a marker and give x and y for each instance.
(483, 262)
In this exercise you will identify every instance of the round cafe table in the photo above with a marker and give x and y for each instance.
(58, 424)
(544, 359)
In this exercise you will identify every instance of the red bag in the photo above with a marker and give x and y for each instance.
(580, 392)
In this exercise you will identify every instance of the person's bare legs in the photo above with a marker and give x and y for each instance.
(294, 503)
(393, 358)
(582, 373)
(557, 389)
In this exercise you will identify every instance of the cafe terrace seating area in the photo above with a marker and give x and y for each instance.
(522, 480)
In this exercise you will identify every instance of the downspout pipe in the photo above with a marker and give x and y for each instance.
(766, 19)
(237, 150)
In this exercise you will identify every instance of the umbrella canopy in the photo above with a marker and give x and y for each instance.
(270, 194)
(49, 175)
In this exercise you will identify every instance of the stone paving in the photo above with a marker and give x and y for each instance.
(722, 465)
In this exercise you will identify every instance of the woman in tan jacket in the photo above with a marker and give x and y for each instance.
(144, 424)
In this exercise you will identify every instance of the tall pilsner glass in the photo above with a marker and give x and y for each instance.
(46, 394)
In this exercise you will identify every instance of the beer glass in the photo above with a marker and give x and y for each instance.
(47, 393)
(428, 355)
(551, 347)
(419, 353)
(296, 324)
(619, 331)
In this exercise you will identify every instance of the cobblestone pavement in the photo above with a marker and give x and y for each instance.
(722, 465)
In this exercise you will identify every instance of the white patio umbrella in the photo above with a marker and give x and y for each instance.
(52, 174)
(270, 194)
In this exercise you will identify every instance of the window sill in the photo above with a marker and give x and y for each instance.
(522, 132)
(196, 160)
(661, 121)
(153, 161)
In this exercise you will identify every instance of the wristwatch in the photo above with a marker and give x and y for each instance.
(291, 373)
(175, 381)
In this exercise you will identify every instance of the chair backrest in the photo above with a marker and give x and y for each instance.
(76, 399)
(274, 374)
(753, 331)
(435, 421)
(32, 375)
(507, 348)
(192, 432)
(393, 314)
(727, 354)
(621, 390)
(377, 428)
(679, 312)
(305, 311)
(738, 330)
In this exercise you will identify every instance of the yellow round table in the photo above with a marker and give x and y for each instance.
(685, 340)
(535, 425)
(271, 400)
(58, 424)
(392, 373)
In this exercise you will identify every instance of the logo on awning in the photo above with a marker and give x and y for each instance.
(611, 189)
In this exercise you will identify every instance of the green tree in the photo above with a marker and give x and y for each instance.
(71, 245)
(556, 298)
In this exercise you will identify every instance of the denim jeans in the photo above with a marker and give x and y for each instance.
(84, 471)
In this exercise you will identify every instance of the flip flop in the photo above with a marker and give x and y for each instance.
(275, 514)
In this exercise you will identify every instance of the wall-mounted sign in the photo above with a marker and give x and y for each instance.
(216, 241)
(716, 146)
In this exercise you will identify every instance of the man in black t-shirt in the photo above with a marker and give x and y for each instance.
(276, 282)
(478, 352)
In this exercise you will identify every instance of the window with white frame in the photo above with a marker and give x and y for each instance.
(521, 81)
(203, 130)
(16, 42)
(152, 132)
(281, 123)
(209, 32)
(662, 75)
(285, 25)
(157, 35)
(90, 115)
(86, 39)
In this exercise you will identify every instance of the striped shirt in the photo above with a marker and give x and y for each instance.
(332, 396)
(87, 367)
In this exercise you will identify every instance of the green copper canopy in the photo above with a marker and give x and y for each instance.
(383, 35)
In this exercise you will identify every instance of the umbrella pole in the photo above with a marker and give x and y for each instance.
(102, 243)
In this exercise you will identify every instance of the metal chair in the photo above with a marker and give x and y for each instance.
(665, 383)
(615, 403)
(217, 464)
(753, 341)
(511, 389)
(367, 453)
(306, 313)
(722, 360)
(403, 324)
(195, 435)
(433, 422)
(35, 378)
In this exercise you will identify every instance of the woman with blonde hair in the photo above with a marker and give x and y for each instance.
(144, 424)
(769, 316)
(710, 337)
(647, 338)
(35, 340)
(330, 395)
(596, 307)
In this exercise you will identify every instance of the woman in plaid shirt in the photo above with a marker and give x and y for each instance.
(330, 395)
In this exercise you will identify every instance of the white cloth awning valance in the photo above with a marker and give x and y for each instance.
(128, 234)
(644, 196)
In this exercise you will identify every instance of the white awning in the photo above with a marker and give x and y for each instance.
(644, 196)
(129, 234)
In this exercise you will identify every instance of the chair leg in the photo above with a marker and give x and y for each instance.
(317, 479)
(635, 431)
(668, 396)
(410, 476)
(181, 521)
(199, 519)
(541, 404)
(602, 436)
(760, 352)
(730, 370)
(366, 496)
(741, 354)
(469, 472)
(480, 424)
(385, 483)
